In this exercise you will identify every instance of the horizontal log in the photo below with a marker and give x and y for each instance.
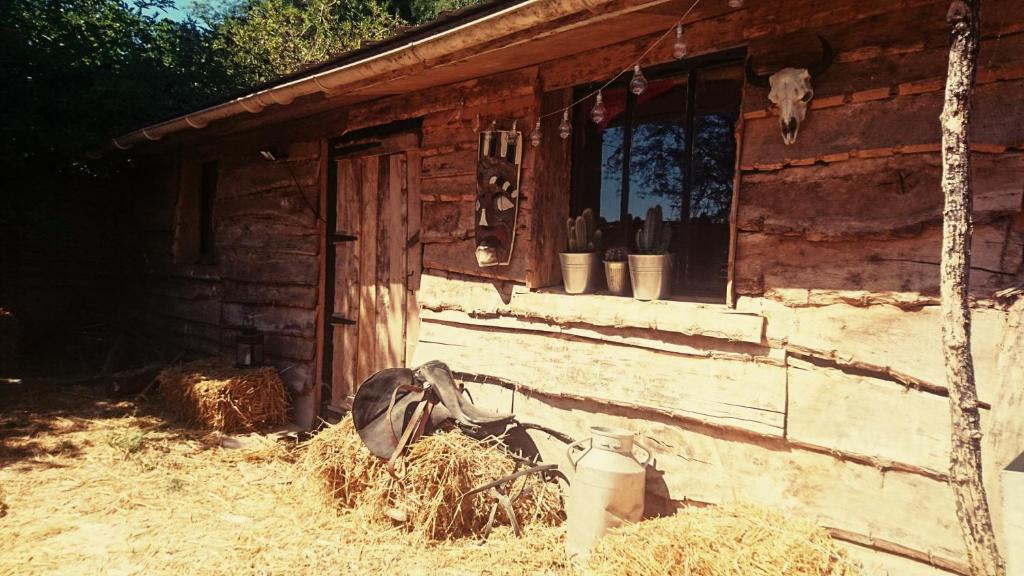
(708, 390)
(866, 415)
(205, 311)
(270, 236)
(290, 347)
(481, 298)
(770, 262)
(256, 267)
(882, 197)
(184, 288)
(459, 128)
(281, 205)
(446, 221)
(883, 339)
(716, 466)
(449, 188)
(661, 340)
(252, 174)
(271, 319)
(270, 294)
(460, 256)
(457, 162)
(871, 125)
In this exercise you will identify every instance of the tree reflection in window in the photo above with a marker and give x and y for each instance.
(639, 157)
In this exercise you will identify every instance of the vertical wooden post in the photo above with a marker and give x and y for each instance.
(965, 455)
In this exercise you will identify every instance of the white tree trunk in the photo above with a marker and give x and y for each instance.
(965, 457)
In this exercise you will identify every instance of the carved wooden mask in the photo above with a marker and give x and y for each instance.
(497, 195)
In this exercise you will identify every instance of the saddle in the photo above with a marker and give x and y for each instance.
(395, 406)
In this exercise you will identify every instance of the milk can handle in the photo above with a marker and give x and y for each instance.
(573, 446)
(650, 455)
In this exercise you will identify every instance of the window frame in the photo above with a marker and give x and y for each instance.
(690, 69)
(195, 218)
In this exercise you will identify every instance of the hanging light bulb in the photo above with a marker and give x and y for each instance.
(512, 134)
(535, 137)
(638, 84)
(597, 113)
(679, 48)
(565, 127)
(735, 3)
(476, 121)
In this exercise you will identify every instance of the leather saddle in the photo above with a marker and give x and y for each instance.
(395, 406)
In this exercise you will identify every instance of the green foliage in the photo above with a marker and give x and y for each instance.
(426, 10)
(259, 40)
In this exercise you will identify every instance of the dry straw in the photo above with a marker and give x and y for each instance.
(429, 496)
(213, 394)
(731, 540)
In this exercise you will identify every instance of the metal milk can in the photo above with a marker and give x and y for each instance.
(607, 489)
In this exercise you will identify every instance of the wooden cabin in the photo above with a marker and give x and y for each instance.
(798, 361)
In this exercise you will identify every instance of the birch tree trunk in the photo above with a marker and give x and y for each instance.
(965, 457)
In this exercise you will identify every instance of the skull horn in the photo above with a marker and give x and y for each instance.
(755, 78)
(827, 54)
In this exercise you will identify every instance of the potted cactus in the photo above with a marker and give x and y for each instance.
(580, 262)
(650, 267)
(616, 270)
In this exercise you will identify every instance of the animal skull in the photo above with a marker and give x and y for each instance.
(791, 90)
(791, 93)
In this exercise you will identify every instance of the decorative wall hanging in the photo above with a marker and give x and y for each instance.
(499, 158)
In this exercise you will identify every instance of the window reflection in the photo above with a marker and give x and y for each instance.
(639, 156)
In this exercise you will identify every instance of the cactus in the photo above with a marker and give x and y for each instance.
(583, 233)
(653, 237)
(615, 254)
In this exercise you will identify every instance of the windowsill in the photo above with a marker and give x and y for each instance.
(555, 306)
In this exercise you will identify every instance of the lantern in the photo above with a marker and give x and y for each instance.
(249, 348)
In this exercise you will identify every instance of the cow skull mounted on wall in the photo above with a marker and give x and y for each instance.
(791, 90)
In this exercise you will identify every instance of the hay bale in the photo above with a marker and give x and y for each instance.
(735, 539)
(429, 498)
(213, 394)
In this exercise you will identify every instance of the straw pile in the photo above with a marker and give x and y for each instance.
(429, 498)
(735, 540)
(213, 394)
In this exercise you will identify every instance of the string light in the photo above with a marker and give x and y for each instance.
(513, 135)
(598, 112)
(535, 137)
(565, 127)
(638, 84)
(735, 3)
(679, 48)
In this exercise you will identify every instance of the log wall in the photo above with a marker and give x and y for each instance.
(265, 262)
(820, 389)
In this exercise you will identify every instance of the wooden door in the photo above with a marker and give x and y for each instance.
(368, 255)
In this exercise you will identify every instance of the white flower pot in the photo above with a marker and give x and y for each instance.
(579, 271)
(651, 275)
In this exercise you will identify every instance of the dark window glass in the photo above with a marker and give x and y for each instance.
(207, 194)
(642, 154)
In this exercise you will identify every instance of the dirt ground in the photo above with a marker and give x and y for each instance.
(90, 485)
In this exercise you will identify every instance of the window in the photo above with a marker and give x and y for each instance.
(194, 233)
(673, 145)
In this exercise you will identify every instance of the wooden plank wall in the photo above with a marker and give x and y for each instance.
(266, 262)
(834, 406)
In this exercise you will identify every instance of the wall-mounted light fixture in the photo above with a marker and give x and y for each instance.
(272, 154)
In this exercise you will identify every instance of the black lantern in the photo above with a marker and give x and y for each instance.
(249, 348)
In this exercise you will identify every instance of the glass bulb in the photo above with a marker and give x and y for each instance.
(565, 127)
(597, 113)
(513, 135)
(638, 84)
(679, 48)
(735, 3)
(535, 137)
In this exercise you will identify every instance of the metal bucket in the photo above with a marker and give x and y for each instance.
(617, 276)
(579, 271)
(606, 490)
(651, 275)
